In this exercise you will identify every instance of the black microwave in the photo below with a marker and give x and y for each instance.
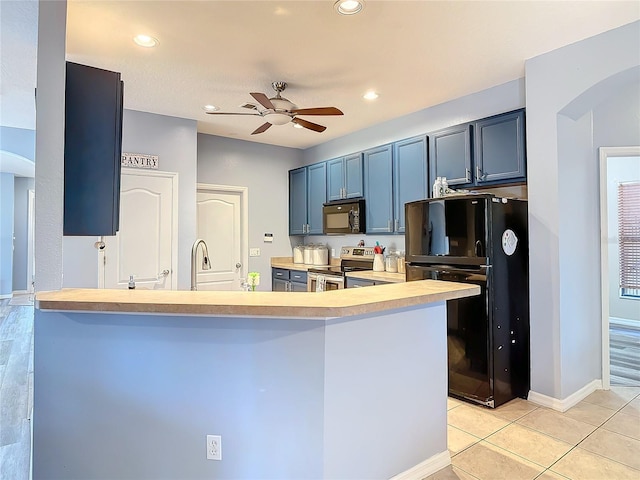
(343, 216)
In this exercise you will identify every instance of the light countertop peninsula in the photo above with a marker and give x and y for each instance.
(318, 305)
(390, 277)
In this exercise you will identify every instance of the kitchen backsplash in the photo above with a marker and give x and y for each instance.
(335, 242)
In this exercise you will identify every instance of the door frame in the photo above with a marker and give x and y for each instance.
(31, 217)
(605, 154)
(244, 206)
(174, 223)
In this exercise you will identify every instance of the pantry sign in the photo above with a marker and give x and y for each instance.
(138, 160)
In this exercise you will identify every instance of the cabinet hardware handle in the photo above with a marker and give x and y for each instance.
(467, 174)
(389, 225)
(397, 225)
(278, 274)
(478, 174)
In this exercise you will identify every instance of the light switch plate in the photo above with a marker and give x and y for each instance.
(254, 252)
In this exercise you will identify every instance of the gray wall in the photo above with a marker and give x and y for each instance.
(20, 228)
(572, 110)
(263, 169)
(6, 235)
(174, 140)
(19, 141)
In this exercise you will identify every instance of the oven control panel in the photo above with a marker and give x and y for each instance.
(357, 252)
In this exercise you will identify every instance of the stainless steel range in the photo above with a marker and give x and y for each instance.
(332, 277)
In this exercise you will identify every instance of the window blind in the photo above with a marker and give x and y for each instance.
(629, 237)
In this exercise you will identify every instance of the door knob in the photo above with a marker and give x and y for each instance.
(163, 273)
(238, 265)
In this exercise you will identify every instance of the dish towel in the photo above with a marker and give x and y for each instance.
(321, 283)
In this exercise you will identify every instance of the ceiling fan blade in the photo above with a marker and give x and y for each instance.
(264, 100)
(311, 126)
(261, 128)
(233, 113)
(317, 111)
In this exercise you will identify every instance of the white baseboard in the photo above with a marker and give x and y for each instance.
(6, 295)
(428, 467)
(565, 404)
(20, 292)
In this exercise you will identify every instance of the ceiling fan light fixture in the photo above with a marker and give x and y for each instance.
(145, 41)
(349, 7)
(210, 108)
(296, 125)
(276, 118)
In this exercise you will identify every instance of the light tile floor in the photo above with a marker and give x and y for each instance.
(598, 439)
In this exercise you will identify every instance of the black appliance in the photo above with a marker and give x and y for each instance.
(332, 277)
(479, 239)
(344, 216)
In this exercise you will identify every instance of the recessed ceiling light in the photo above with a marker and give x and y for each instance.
(370, 95)
(349, 7)
(210, 108)
(145, 41)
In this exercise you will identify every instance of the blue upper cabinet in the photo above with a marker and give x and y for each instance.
(490, 151)
(500, 148)
(378, 189)
(316, 196)
(307, 193)
(450, 154)
(353, 184)
(344, 177)
(298, 201)
(409, 176)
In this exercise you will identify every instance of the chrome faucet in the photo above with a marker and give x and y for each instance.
(206, 264)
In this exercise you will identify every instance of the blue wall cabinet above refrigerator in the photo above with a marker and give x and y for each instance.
(92, 150)
(344, 177)
(409, 176)
(307, 193)
(450, 154)
(490, 151)
(499, 152)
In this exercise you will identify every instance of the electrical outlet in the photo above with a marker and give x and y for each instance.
(214, 447)
(254, 252)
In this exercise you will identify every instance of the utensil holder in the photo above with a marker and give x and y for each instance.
(378, 262)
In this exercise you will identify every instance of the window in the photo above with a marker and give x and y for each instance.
(629, 238)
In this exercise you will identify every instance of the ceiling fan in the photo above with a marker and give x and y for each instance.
(279, 111)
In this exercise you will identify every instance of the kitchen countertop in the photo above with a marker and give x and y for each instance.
(318, 305)
(389, 277)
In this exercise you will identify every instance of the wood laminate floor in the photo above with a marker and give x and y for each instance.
(16, 389)
(624, 347)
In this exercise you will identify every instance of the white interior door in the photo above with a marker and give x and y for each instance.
(221, 221)
(146, 244)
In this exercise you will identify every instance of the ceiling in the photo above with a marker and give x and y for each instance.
(414, 53)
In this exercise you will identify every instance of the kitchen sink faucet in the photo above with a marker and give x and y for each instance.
(206, 264)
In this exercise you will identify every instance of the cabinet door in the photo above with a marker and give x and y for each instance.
(378, 189)
(353, 175)
(316, 196)
(335, 178)
(500, 148)
(279, 285)
(297, 287)
(298, 201)
(409, 176)
(450, 155)
(92, 150)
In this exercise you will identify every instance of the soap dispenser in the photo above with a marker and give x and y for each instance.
(132, 283)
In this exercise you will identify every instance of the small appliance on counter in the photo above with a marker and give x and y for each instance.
(298, 254)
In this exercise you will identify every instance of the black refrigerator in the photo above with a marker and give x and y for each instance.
(480, 239)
